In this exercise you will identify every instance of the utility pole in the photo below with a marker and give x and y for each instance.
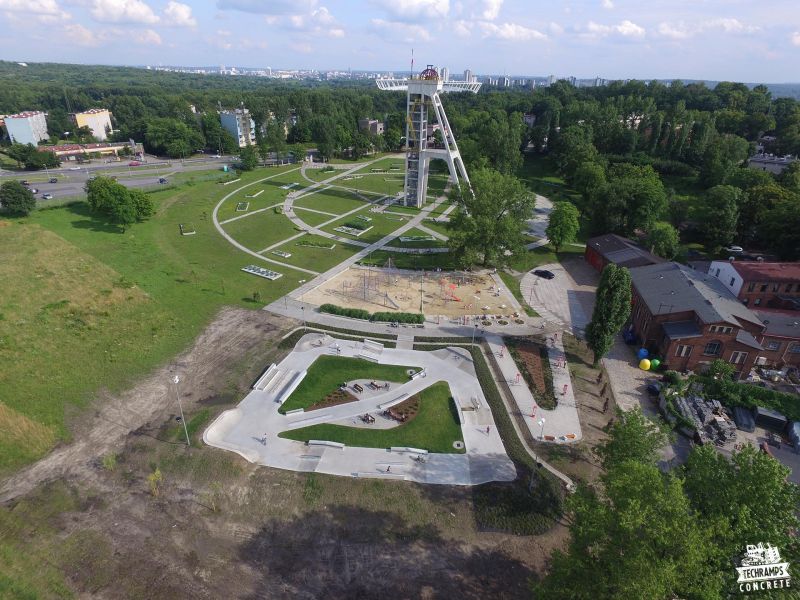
(176, 380)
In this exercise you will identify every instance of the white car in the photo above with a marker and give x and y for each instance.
(47, 196)
(74, 168)
(734, 249)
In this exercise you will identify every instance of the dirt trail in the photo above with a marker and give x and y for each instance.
(233, 332)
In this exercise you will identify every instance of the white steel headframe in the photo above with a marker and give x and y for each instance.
(422, 95)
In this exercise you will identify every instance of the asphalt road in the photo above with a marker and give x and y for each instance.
(72, 179)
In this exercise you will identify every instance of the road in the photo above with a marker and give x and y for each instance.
(72, 179)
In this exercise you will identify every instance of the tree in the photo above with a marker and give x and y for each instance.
(611, 310)
(633, 199)
(633, 436)
(780, 228)
(123, 206)
(563, 225)
(248, 158)
(663, 240)
(142, 204)
(488, 226)
(38, 160)
(16, 199)
(589, 178)
(172, 137)
(719, 214)
(124, 212)
(790, 178)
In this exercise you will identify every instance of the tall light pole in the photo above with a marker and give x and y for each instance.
(474, 331)
(541, 424)
(176, 380)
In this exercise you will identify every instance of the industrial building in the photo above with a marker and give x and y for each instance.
(371, 126)
(27, 127)
(98, 120)
(240, 125)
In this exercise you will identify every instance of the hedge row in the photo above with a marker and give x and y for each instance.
(732, 393)
(381, 317)
(353, 313)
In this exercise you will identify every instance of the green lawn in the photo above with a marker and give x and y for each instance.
(261, 230)
(435, 427)
(443, 260)
(322, 174)
(86, 307)
(542, 256)
(311, 218)
(318, 259)
(327, 372)
(377, 184)
(331, 200)
(271, 194)
(437, 226)
(385, 164)
(436, 243)
(381, 226)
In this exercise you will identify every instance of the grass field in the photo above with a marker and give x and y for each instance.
(542, 256)
(443, 260)
(386, 165)
(311, 218)
(261, 230)
(271, 194)
(434, 428)
(375, 183)
(436, 243)
(381, 226)
(85, 306)
(512, 283)
(318, 259)
(323, 173)
(331, 200)
(327, 372)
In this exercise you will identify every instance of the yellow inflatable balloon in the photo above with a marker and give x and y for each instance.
(644, 364)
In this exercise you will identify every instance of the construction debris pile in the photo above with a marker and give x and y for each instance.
(709, 419)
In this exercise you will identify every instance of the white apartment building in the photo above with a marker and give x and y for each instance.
(240, 125)
(27, 127)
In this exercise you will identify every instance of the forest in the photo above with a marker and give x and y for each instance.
(665, 162)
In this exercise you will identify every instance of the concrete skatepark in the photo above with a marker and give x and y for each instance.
(243, 429)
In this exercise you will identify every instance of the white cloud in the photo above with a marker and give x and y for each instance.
(511, 32)
(272, 7)
(402, 32)
(178, 14)
(462, 28)
(796, 38)
(80, 35)
(122, 11)
(682, 30)
(416, 10)
(555, 28)
(491, 9)
(318, 22)
(607, 4)
(625, 28)
(301, 47)
(47, 9)
(148, 37)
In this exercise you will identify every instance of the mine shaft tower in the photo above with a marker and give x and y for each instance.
(423, 99)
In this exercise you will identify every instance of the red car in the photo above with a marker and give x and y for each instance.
(134, 163)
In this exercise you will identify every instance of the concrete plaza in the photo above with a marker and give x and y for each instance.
(252, 428)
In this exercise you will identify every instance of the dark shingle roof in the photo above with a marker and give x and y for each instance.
(780, 323)
(672, 288)
(622, 251)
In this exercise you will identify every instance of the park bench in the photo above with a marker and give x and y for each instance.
(358, 388)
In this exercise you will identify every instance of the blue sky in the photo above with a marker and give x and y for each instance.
(742, 40)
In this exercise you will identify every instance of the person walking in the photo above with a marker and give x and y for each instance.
(487, 429)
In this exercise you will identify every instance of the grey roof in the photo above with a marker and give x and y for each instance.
(745, 337)
(672, 288)
(622, 251)
(681, 329)
(780, 323)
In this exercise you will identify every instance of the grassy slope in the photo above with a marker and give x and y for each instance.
(57, 354)
(435, 427)
(328, 372)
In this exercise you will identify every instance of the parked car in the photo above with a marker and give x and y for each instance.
(734, 249)
(47, 196)
(162, 180)
(134, 163)
(74, 168)
(544, 273)
(53, 180)
(34, 190)
(25, 182)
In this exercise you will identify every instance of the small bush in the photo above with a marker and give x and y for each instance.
(360, 225)
(402, 317)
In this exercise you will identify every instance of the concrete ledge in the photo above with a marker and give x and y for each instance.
(326, 443)
(290, 387)
(378, 475)
(391, 403)
(296, 411)
(265, 378)
(408, 449)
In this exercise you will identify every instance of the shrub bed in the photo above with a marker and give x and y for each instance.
(732, 393)
(353, 313)
(381, 317)
(534, 365)
(360, 225)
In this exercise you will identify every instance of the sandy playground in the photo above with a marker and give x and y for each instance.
(444, 293)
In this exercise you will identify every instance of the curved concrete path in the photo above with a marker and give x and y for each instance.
(242, 429)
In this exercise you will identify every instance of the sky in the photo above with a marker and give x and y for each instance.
(737, 40)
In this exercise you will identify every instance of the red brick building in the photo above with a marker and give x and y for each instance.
(780, 339)
(761, 284)
(688, 319)
(612, 248)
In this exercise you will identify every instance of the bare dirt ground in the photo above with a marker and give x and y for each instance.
(220, 527)
(443, 293)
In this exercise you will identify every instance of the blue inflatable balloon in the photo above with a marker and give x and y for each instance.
(643, 353)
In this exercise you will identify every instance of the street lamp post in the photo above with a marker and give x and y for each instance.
(474, 331)
(541, 424)
(303, 308)
(176, 380)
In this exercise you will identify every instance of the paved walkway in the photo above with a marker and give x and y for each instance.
(243, 428)
(562, 424)
(566, 300)
(537, 226)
